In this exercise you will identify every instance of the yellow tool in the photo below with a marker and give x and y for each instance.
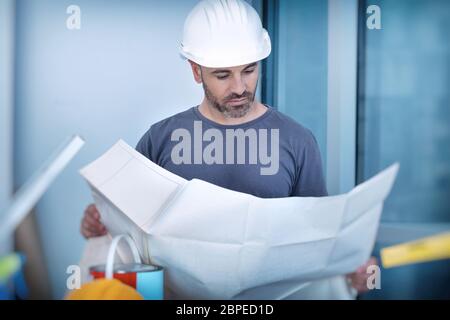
(426, 249)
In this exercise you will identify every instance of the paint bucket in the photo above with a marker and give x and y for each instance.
(147, 279)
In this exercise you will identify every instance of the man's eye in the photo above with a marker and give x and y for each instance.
(221, 77)
(249, 71)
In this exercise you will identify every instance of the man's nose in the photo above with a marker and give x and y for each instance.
(237, 85)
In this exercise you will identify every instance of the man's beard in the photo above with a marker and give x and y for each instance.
(230, 111)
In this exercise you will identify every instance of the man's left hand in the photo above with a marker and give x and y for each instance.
(358, 279)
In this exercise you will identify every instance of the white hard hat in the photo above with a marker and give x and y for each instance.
(224, 33)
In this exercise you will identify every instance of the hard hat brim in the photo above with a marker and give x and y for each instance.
(227, 62)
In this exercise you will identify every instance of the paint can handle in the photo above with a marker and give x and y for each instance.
(112, 253)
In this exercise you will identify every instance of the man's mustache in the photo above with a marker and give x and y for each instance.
(234, 96)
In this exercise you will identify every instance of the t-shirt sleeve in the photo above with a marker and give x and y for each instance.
(310, 181)
(144, 146)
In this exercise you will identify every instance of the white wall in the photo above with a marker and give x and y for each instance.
(111, 79)
(6, 107)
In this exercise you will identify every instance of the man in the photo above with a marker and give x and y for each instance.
(231, 139)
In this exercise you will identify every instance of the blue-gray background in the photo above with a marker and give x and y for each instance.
(121, 72)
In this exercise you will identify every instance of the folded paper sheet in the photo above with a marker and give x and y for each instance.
(220, 244)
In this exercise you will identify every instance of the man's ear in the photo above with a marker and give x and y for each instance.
(196, 71)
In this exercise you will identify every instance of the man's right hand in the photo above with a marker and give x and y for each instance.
(91, 225)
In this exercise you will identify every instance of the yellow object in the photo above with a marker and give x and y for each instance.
(426, 249)
(104, 289)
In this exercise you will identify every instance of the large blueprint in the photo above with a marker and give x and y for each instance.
(215, 243)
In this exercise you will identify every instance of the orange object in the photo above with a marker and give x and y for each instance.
(104, 289)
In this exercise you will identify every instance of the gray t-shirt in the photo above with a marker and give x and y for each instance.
(299, 168)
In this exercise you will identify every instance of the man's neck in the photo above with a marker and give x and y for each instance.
(256, 110)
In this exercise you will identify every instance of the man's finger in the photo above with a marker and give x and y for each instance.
(360, 282)
(370, 262)
(361, 269)
(92, 228)
(96, 214)
(85, 233)
(93, 213)
(361, 288)
(86, 227)
(91, 209)
(92, 221)
(373, 261)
